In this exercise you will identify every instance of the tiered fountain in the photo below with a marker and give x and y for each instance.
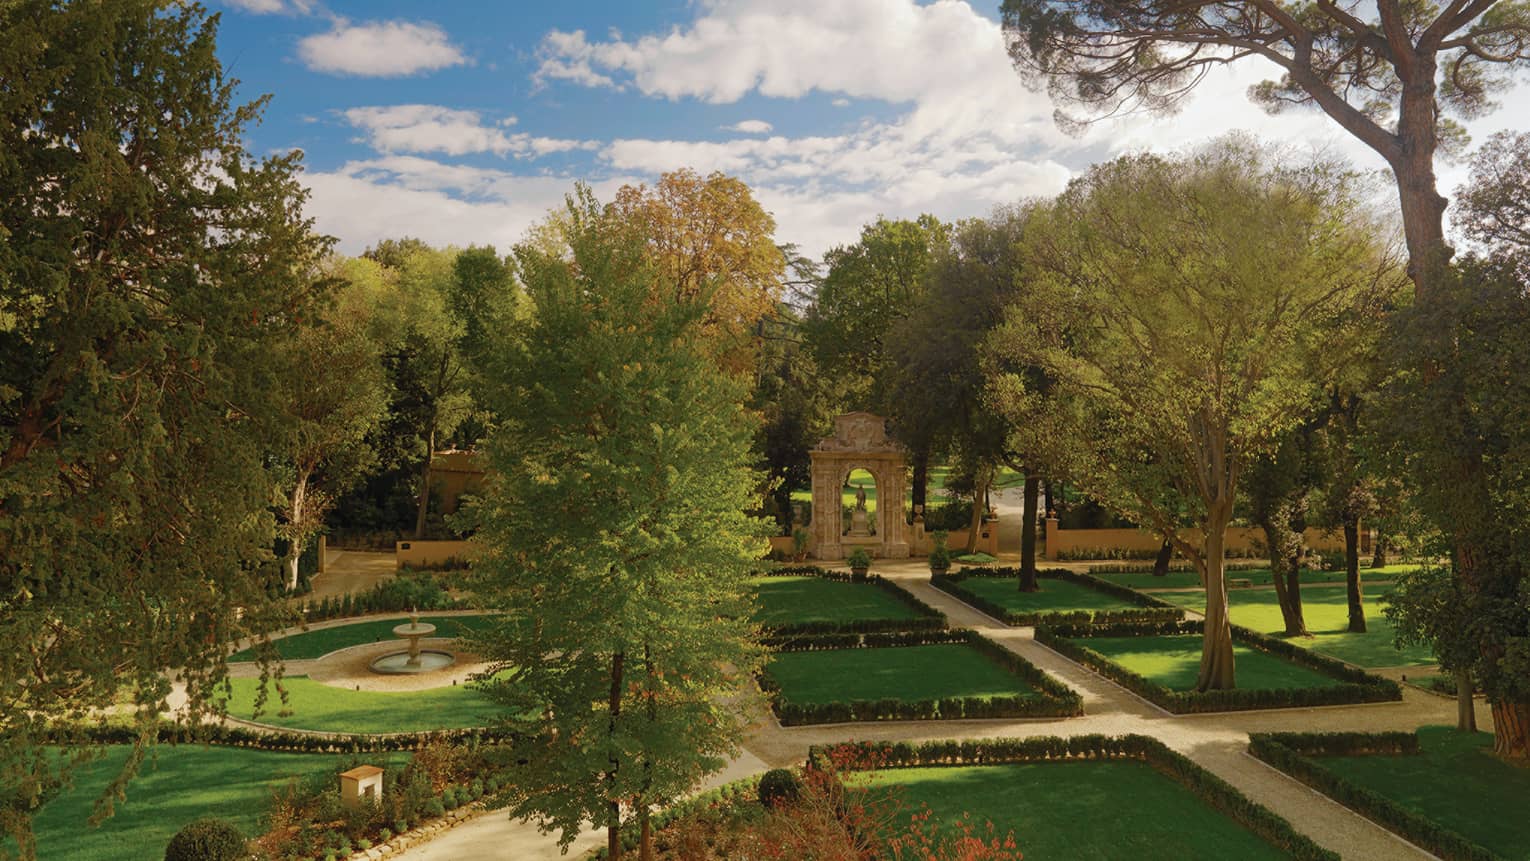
(416, 659)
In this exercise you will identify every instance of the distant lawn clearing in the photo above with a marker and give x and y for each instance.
(1326, 611)
(176, 785)
(903, 672)
(322, 707)
(1174, 661)
(1055, 596)
(1456, 781)
(1256, 576)
(794, 600)
(1055, 810)
(318, 643)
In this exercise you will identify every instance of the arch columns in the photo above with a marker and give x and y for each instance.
(860, 441)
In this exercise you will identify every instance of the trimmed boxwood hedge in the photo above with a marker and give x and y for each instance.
(930, 619)
(277, 740)
(1292, 753)
(1150, 609)
(1206, 786)
(1052, 698)
(1358, 685)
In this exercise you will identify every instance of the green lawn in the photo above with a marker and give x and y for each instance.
(785, 600)
(178, 785)
(1457, 782)
(1055, 596)
(1326, 610)
(1080, 810)
(904, 672)
(323, 707)
(1174, 661)
(316, 644)
(1257, 576)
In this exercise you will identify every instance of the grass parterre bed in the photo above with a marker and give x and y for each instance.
(1160, 663)
(908, 676)
(1326, 609)
(176, 785)
(308, 645)
(1189, 579)
(812, 600)
(1441, 789)
(1051, 793)
(315, 706)
(1065, 597)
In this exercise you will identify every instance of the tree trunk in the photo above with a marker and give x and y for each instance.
(614, 825)
(645, 835)
(1285, 571)
(1352, 573)
(1466, 707)
(1423, 207)
(430, 454)
(295, 518)
(1161, 561)
(919, 486)
(1216, 649)
(1379, 558)
(1511, 730)
(1046, 490)
(1028, 535)
(979, 496)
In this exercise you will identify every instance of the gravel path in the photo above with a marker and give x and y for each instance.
(1215, 741)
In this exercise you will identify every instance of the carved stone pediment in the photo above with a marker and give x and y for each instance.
(859, 432)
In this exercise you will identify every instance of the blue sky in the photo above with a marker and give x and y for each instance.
(464, 122)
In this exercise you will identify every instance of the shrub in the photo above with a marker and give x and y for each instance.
(859, 559)
(940, 558)
(800, 538)
(207, 840)
(778, 785)
(435, 807)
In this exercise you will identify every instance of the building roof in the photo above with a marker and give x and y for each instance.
(362, 771)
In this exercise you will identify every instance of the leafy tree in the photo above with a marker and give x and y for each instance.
(868, 287)
(1494, 207)
(1182, 308)
(1281, 485)
(330, 394)
(709, 236)
(1429, 606)
(793, 415)
(1390, 78)
(615, 535)
(151, 272)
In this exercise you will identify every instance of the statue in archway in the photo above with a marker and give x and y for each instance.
(860, 441)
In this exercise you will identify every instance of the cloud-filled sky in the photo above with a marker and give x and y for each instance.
(465, 123)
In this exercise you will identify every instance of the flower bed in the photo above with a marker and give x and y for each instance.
(1145, 608)
(1353, 685)
(1046, 697)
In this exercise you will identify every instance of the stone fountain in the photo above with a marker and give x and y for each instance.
(416, 659)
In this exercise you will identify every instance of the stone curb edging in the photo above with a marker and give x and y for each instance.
(421, 834)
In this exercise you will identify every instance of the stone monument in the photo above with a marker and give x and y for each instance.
(860, 441)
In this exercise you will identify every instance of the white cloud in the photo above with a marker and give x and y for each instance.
(750, 127)
(383, 49)
(432, 128)
(272, 7)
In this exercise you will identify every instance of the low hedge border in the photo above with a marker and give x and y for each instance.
(1209, 788)
(1292, 753)
(276, 740)
(1150, 609)
(743, 790)
(1180, 565)
(930, 619)
(1052, 698)
(1358, 686)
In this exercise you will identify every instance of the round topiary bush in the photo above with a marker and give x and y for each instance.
(778, 785)
(207, 840)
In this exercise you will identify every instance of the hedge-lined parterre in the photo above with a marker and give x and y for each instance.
(1143, 608)
(914, 615)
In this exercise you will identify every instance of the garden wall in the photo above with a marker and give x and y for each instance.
(423, 554)
(1241, 541)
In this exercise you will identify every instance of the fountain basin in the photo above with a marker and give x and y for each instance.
(407, 663)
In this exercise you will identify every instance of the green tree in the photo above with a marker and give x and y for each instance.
(151, 271)
(330, 393)
(1182, 309)
(615, 535)
(1429, 606)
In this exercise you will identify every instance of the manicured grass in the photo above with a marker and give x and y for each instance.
(903, 672)
(1055, 596)
(1256, 576)
(788, 600)
(178, 785)
(1079, 810)
(1326, 611)
(323, 707)
(1174, 661)
(1456, 781)
(316, 644)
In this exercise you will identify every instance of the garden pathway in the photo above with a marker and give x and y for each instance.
(1215, 741)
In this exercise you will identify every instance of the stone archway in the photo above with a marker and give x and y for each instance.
(860, 441)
